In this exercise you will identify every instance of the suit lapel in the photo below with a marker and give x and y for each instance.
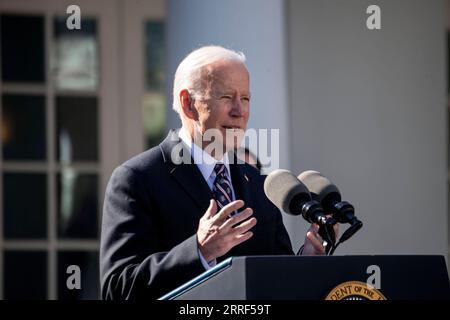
(184, 171)
(241, 182)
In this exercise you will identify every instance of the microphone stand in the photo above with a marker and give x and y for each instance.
(326, 231)
(347, 234)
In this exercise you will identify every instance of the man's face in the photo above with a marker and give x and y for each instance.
(225, 104)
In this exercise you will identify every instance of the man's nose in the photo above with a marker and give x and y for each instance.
(238, 108)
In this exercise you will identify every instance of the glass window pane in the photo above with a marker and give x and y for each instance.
(154, 103)
(77, 204)
(76, 55)
(23, 127)
(25, 275)
(77, 130)
(24, 219)
(88, 264)
(155, 53)
(155, 118)
(22, 48)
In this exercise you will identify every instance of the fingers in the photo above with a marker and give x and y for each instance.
(318, 247)
(242, 237)
(336, 231)
(212, 209)
(225, 212)
(315, 230)
(218, 232)
(315, 239)
(244, 226)
(237, 218)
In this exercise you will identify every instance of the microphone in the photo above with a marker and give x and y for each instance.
(288, 193)
(325, 192)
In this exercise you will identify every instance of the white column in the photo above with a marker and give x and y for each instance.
(255, 27)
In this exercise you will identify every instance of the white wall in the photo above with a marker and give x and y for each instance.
(368, 110)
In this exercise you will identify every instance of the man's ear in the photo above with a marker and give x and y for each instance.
(187, 105)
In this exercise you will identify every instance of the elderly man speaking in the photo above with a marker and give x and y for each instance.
(165, 219)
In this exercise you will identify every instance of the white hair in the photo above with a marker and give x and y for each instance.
(189, 71)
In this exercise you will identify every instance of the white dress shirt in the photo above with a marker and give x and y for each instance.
(206, 163)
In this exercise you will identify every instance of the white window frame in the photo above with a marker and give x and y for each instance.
(107, 14)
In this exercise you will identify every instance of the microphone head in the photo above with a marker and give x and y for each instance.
(319, 186)
(286, 191)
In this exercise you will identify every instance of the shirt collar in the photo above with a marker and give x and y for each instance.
(204, 161)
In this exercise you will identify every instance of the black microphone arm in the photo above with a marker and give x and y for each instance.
(328, 195)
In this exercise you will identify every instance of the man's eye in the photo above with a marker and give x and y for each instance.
(225, 97)
(246, 99)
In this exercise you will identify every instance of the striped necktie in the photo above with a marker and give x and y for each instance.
(222, 186)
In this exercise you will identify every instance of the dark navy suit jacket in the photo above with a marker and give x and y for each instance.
(151, 212)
